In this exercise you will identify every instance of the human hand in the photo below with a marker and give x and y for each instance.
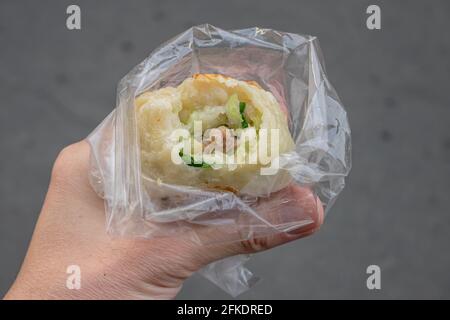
(71, 230)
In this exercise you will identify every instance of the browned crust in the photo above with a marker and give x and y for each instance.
(214, 76)
(222, 188)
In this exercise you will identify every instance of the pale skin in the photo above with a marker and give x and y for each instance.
(71, 230)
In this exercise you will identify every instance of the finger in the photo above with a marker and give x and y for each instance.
(288, 215)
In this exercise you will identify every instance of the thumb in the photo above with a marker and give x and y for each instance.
(290, 214)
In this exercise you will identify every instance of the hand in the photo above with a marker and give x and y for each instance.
(71, 230)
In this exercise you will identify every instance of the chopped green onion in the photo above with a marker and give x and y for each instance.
(189, 160)
(242, 107)
(244, 122)
(232, 111)
(235, 112)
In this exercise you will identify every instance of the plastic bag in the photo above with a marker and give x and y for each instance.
(288, 65)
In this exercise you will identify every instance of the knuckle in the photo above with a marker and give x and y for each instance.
(255, 245)
(61, 163)
(65, 163)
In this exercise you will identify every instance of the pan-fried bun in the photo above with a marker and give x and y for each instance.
(219, 102)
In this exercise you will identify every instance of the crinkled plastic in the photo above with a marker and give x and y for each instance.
(288, 65)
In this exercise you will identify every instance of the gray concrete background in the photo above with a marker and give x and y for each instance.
(57, 85)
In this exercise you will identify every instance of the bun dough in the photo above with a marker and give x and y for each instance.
(204, 97)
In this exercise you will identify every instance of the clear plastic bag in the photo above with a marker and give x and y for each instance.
(291, 67)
